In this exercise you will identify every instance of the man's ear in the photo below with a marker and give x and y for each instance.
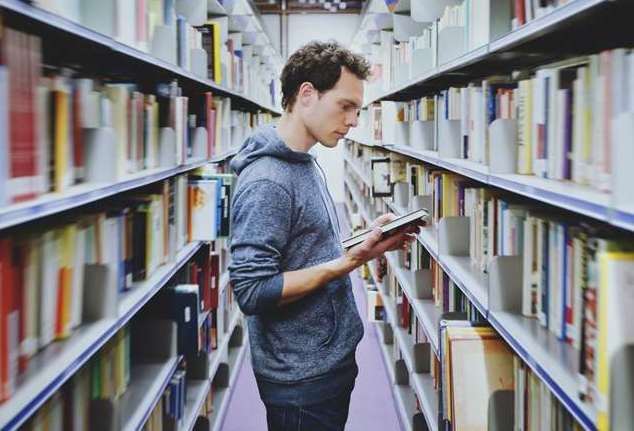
(306, 93)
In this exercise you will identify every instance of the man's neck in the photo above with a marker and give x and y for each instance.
(294, 133)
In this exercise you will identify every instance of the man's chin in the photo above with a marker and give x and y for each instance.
(331, 143)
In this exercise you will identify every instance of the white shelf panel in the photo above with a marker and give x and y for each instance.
(424, 387)
(472, 282)
(215, 358)
(429, 316)
(425, 310)
(50, 368)
(78, 30)
(428, 236)
(52, 203)
(387, 357)
(147, 384)
(553, 361)
(405, 344)
(357, 170)
(360, 203)
(406, 405)
(197, 391)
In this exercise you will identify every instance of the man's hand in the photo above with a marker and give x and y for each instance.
(375, 246)
(301, 282)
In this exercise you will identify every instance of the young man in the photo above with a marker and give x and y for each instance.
(288, 270)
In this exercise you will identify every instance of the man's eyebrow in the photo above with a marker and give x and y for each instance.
(352, 102)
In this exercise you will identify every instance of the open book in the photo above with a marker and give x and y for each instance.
(415, 217)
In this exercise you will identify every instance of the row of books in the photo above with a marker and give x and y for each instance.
(95, 390)
(535, 407)
(62, 128)
(481, 377)
(58, 276)
(178, 31)
(525, 11)
(563, 119)
(461, 27)
(105, 378)
(465, 347)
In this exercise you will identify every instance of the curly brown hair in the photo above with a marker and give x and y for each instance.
(320, 64)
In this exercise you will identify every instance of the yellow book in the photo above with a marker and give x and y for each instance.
(615, 331)
(68, 256)
(217, 54)
(448, 195)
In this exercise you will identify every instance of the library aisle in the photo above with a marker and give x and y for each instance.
(508, 123)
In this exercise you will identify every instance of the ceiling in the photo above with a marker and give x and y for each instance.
(309, 6)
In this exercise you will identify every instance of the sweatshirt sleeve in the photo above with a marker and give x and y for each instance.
(260, 229)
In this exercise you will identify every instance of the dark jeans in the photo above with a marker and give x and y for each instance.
(328, 415)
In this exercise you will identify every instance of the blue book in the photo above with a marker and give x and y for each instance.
(181, 41)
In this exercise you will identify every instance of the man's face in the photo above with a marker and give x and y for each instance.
(330, 115)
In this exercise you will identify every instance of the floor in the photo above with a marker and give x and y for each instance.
(371, 408)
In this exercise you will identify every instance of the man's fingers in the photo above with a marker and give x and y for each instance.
(383, 219)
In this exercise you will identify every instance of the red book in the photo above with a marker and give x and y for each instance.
(214, 262)
(205, 283)
(23, 163)
(210, 123)
(520, 12)
(20, 256)
(405, 312)
(9, 326)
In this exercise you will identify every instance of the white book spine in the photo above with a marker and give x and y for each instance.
(48, 299)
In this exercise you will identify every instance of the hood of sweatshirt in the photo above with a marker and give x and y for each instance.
(265, 141)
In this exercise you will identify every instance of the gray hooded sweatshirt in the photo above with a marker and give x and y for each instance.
(283, 219)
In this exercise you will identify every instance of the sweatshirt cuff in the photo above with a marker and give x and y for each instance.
(270, 293)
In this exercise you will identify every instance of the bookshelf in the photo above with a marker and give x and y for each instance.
(550, 359)
(60, 361)
(70, 55)
(54, 24)
(572, 17)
